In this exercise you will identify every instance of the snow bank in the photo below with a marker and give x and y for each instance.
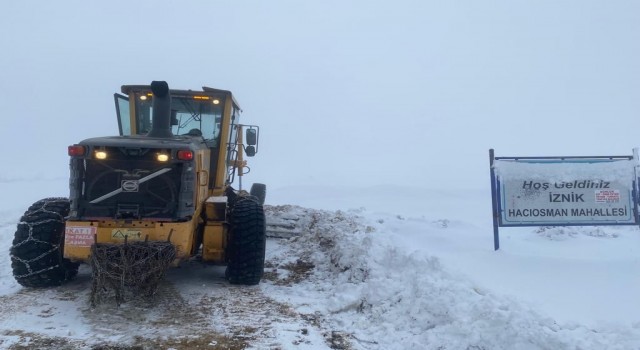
(389, 298)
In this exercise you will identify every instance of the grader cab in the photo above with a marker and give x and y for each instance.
(161, 190)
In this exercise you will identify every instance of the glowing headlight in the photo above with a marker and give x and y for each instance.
(101, 155)
(143, 98)
(161, 157)
(216, 101)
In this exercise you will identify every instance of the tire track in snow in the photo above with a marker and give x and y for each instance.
(186, 313)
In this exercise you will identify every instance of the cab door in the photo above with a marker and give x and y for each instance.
(123, 113)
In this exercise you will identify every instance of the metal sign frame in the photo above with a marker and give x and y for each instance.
(498, 192)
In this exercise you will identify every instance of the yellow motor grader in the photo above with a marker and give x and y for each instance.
(166, 179)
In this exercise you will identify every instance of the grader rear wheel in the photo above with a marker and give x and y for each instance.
(36, 254)
(247, 242)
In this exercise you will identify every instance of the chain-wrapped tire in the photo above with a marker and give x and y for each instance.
(259, 191)
(247, 242)
(37, 251)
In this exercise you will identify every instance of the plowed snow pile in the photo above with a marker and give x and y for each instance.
(359, 282)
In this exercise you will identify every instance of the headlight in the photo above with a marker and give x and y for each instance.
(101, 155)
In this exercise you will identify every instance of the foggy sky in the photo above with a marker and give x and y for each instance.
(346, 93)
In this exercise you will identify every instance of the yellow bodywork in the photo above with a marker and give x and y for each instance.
(80, 235)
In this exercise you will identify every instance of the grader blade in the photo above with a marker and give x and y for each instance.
(283, 226)
(129, 270)
(286, 221)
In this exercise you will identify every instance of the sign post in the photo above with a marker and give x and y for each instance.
(494, 204)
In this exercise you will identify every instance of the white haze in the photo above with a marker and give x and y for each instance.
(347, 93)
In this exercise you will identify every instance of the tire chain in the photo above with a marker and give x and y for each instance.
(134, 268)
(30, 238)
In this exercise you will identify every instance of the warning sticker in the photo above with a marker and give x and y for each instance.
(607, 196)
(130, 233)
(79, 236)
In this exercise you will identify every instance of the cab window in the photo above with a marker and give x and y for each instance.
(191, 115)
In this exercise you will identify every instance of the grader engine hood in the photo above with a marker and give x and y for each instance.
(133, 178)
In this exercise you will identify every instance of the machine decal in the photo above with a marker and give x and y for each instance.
(80, 236)
(131, 234)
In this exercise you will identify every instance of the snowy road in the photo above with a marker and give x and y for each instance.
(194, 306)
(362, 279)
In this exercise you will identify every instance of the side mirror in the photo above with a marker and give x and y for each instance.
(252, 137)
(250, 151)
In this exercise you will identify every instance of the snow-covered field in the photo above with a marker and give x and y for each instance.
(375, 268)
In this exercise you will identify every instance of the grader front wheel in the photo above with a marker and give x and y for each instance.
(247, 241)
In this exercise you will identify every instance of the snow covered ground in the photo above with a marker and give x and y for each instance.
(383, 267)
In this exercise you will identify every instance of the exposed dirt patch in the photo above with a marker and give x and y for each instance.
(33, 341)
(338, 340)
(290, 273)
(189, 342)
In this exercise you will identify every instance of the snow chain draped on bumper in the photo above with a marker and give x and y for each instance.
(129, 270)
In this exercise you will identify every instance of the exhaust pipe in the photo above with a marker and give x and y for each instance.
(161, 120)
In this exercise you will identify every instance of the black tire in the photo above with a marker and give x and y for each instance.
(247, 242)
(36, 254)
(259, 191)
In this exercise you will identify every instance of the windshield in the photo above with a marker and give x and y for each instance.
(192, 115)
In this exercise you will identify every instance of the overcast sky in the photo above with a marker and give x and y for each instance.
(347, 93)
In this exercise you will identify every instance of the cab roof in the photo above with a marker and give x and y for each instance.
(128, 89)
